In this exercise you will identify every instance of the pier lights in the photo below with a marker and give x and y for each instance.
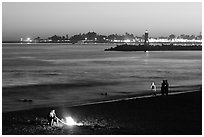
(28, 40)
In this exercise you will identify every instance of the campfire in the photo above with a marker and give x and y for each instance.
(70, 122)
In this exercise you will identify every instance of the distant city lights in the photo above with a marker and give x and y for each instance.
(93, 37)
(127, 40)
(28, 39)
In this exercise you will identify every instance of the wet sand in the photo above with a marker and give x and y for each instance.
(176, 114)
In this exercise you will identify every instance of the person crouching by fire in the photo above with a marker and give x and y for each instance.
(52, 118)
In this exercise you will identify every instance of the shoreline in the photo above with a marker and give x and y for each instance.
(104, 98)
(147, 115)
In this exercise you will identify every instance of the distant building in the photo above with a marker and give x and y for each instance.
(146, 40)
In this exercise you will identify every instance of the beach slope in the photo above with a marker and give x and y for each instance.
(176, 114)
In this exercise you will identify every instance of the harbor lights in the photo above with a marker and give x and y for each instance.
(28, 39)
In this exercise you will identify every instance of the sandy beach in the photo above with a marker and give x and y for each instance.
(176, 114)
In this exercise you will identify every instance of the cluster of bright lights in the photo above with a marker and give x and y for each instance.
(173, 40)
(127, 40)
(28, 40)
(70, 122)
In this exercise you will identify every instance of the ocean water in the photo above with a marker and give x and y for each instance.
(56, 74)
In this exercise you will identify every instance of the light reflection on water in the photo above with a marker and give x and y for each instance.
(118, 73)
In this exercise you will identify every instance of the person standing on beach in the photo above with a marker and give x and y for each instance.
(166, 87)
(154, 89)
(163, 87)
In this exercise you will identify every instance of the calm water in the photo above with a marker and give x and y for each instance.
(88, 71)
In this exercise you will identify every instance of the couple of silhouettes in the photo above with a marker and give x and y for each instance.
(164, 87)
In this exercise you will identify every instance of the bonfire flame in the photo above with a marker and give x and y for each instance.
(70, 122)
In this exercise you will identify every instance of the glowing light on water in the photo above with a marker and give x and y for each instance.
(70, 122)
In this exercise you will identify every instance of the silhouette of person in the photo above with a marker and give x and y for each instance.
(166, 87)
(154, 89)
(163, 87)
(52, 118)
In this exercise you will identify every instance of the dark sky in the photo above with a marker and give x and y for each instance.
(49, 18)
